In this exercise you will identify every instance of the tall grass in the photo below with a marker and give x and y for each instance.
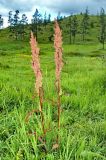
(38, 75)
(59, 65)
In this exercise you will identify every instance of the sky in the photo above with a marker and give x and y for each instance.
(66, 7)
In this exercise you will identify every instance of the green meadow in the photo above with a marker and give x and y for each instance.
(83, 101)
(83, 116)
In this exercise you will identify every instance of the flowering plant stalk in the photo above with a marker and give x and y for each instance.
(38, 74)
(59, 65)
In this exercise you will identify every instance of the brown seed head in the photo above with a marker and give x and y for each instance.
(36, 63)
(58, 50)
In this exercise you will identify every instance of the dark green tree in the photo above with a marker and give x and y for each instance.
(45, 20)
(49, 18)
(1, 21)
(15, 24)
(70, 29)
(102, 36)
(23, 23)
(16, 18)
(36, 22)
(74, 27)
(10, 19)
(59, 17)
(85, 24)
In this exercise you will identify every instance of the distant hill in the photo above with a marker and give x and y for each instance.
(45, 34)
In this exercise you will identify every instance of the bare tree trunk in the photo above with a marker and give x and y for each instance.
(103, 45)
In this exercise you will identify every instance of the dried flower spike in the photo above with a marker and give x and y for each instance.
(58, 50)
(36, 63)
(59, 65)
(38, 75)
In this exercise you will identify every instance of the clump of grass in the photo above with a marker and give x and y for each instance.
(3, 66)
(38, 75)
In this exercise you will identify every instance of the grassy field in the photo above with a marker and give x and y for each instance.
(83, 116)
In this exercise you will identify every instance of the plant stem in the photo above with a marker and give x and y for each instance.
(41, 109)
(59, 109)
(59, 105)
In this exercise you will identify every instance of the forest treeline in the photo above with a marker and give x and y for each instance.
(74, 26)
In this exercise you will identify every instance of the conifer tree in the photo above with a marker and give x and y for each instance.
(59, 17)
(102, 37)
(74, 27)
(36, 21)
(45, 20)
(49, 18)
(85, 24)
(23, 23)
(10, 20)
(70, 28)
(1, 22)
(15, 23)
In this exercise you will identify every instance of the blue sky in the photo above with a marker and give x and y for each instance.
(50, 6)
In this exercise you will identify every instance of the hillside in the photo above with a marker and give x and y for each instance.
(44, 33)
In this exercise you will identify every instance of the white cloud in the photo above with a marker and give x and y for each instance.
(52, 6)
